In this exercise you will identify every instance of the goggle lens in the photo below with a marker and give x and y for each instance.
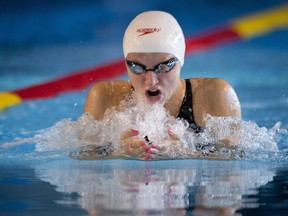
(163, 67)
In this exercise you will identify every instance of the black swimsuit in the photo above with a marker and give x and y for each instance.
(186, 109)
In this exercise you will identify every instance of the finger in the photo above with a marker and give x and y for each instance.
(155, 153)
(133, 142)
(135, 147)
(148, 156)
(160, 146)
(172, 134)
(129, 133)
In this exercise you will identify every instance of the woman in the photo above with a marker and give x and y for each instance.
(154, 48)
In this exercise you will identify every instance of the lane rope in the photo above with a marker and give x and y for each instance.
(248, 26)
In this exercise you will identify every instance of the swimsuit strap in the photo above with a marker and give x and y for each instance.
(186, 109)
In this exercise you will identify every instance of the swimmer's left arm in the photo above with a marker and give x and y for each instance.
(220, 99)
(170, 148)
(174, 148)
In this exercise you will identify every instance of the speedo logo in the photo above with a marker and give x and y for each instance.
(145, 31)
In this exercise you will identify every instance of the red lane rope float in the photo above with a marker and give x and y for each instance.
(211, 38)
(244, 27)
(72, 82)
(81, 79)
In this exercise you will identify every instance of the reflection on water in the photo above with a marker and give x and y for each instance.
(116, 187)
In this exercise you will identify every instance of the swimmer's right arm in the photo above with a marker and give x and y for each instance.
(95, 103)
(105, 95)
(94, 106)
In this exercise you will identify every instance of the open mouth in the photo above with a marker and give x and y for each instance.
(153, 96)
(153, 93)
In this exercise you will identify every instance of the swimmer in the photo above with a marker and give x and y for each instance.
(154, 49)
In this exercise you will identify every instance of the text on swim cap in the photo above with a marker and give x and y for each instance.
(145, 31)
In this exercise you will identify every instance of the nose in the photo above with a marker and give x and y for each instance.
(151, 78)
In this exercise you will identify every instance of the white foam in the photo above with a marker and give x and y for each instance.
(153, 121)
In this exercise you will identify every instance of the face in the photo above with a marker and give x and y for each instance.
(150, 86)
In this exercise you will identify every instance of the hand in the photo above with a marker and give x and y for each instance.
(133, 146)
(171, 148)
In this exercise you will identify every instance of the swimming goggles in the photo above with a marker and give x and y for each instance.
(163, 67)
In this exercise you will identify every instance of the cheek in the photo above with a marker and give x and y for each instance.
(171, 80)
(136, 80)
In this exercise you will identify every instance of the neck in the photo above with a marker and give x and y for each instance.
(174, 103)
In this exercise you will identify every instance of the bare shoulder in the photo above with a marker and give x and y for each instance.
(110, 86)
(104, 95)
(221, 98)
(216, 84)
(214, 96)
(110, 89)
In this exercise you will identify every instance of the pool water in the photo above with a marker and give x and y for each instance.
(51, 183)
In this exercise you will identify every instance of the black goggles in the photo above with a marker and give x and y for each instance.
(163, 67)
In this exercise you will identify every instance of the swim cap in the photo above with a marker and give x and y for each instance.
(154, 31)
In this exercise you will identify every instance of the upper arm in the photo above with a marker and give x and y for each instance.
(105, 95)
(220, 99)
(95, 103)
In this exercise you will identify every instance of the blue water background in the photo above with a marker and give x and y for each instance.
(42, 40)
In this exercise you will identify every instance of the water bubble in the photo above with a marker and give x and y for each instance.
(222, 137)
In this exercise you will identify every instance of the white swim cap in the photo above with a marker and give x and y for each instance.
(154, 31)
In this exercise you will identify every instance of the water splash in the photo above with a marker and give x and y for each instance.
(224, 137)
